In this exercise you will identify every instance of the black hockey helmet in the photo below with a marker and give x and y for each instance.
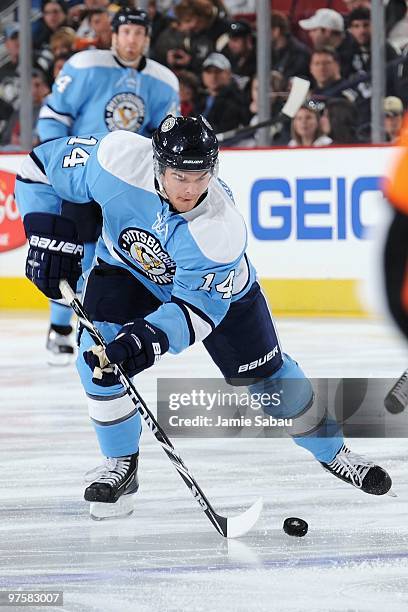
(185, 143)
(129, 16)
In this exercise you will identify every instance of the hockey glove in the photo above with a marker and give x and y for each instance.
(138, 346)
(54, 252)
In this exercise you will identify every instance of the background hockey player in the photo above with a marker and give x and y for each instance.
(396, 189)
(162, 203)
(96, 92)
(396, 258)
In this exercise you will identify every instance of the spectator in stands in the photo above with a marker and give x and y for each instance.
(54, 14)
(338, 121)
(240, 49)
(59, 61)
(158, 20)
(220, 9)
(305, 130)
(187, 43)
(289, 56)
(170, 46)
(393, 114)
(326, 29)
(189, 93)
(100, 22)
(63, 41)
(100, 35)
(39, 90)
(224, 105)
(359, 25)
(81, 16)
(327, 82)
(76, 14)
(279, 132)
(9, 75)
(360, 29)
(325, 70)
(396, 24)
(6, 111)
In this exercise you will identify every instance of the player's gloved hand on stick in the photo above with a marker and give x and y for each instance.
(137, 346)
(54, 252)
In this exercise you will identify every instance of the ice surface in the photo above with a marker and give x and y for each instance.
(167, 556)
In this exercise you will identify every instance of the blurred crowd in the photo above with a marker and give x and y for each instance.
(211, 47)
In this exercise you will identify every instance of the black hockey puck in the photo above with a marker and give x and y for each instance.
(295, 527)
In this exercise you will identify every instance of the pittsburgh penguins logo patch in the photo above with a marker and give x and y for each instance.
(146, 251)
(125, 111)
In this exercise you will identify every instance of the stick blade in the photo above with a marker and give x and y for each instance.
(297, 96)
(240, 525)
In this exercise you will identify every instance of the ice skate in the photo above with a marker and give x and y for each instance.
(60, 346)
(112, 493)
(359, 472)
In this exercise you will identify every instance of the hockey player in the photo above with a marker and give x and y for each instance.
(395, 258)
(97, 92)
(170, 270)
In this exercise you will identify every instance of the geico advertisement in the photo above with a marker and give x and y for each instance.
(309, 212)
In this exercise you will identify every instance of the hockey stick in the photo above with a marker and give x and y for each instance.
(227, 527)
(296, 98)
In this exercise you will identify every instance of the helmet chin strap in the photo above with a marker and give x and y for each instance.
(160, 187)
(131, 64)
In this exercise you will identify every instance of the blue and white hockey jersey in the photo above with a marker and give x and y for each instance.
(94, 93)
(194, 262)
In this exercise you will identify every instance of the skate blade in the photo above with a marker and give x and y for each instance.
(392, 493)
(121, 509)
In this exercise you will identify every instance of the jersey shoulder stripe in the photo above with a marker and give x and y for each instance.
(47, 112)
(32, 170)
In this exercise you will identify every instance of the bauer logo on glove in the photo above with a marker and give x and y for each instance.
(54, 252)
(56, 245)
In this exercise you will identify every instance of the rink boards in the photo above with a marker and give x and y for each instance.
(313, 217)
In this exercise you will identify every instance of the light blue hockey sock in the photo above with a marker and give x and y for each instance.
(312, 428)
(115, 419)
(60, 314)
(121, 439)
